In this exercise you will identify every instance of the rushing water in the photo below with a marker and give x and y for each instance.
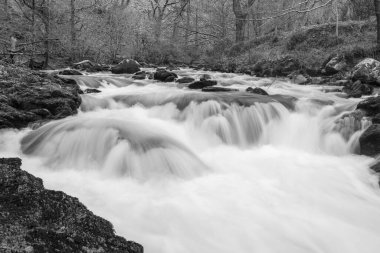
(183, 171)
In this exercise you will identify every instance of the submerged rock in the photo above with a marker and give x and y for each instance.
(165, 76)
(70, 72)
(371, 106)
(90, 91)
(370, 141)
(218, 89)
(357, 89)
(204, 77)
(34, 219)
(126, 67)
(27, 96)
(202, 84)
(257, 90)
(185, 80)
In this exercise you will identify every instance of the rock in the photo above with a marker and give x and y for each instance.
(357, 89)
(281, 67)
(367, 71)
(90, 66)
(371, 106)
(205, 77)
(202, 84)
(335, 65)
(164, 75)
(84, 65)
(257, 90)
(27, 96)
(370, 141)
(218, 89)
(70, 72)
(126, 67)
(89, 91)
(376, 119)
(341, 83)
(139, 75)
(185, 80)
(172, 67)
(300, 79)
(34, 219)
(376, 168)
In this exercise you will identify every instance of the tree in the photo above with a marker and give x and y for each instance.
(377, 9)
(241, 14)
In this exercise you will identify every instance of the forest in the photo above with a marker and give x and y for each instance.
(182, 31)
(207, 126)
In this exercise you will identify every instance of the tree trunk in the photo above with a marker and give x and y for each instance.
(240, 28)
(6, 9)
(187, 32)
(241, 14)
(47, 33)
(72, 30)
(377, 9)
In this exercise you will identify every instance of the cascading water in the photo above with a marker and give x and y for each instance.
(185, 171)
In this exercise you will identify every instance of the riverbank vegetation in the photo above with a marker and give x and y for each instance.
(216, 32)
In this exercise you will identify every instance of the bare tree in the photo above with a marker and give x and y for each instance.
(241, 13)
(377, 9)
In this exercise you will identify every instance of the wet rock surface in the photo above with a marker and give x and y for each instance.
(27, 96)
(33, 219)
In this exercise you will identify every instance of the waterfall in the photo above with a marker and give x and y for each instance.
(185, 171)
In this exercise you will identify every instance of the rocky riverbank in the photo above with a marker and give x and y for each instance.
(30, 97)
(33, 219)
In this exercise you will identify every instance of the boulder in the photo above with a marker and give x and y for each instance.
(126, 67)
(139, 75)
(34, 219)
(357, 89)
(370, 141)
(257, 90)
(91, 91)
(185, 80)
(27, 96)
(202, 84)
(335, 65)
(70, 72)
(205, 77)
(281, 67)
(218, 89)
(164, 75)
(90, 66)
(300, 79)
(371, 106)
(367, 71)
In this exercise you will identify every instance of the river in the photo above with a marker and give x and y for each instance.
(184, 171)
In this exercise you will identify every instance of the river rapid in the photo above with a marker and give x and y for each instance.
(184, 171)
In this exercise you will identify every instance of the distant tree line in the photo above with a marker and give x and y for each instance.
(158, 30)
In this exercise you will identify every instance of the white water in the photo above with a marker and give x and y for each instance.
(181, 171)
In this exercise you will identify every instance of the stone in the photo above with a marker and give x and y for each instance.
(126, 67)
(202, 84)
(218, 89)
(28, 96)
(335, 65)
(34, 219)
(357, 89)
(367, 71)
(70, 72)
(164, 75)
(370, 141)
(257, 90)
(204, 77)
(185, 80)
(371, 106)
